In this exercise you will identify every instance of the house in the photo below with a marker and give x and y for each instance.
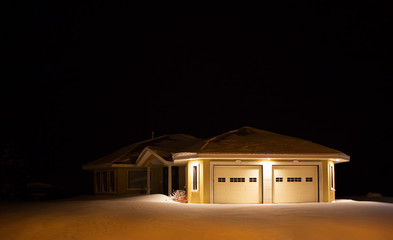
(246, 165)
(142, 167)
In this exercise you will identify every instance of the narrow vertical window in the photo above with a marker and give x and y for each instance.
(332, 185)
(112, 181)
(105, 181)
(98, 181)
(195, 178)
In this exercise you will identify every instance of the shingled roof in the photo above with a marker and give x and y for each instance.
(163, 145)
(252, 140)
(243, 141)
(255, 142)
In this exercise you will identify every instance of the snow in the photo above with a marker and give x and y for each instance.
(253, 140)
(158, 217)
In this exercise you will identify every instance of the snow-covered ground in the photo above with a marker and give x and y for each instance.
(157, 217)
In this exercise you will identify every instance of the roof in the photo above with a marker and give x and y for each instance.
(252, 141)
(163, 145)
(247, 142)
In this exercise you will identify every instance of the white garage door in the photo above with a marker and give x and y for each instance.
(237, 184)
(293, 184)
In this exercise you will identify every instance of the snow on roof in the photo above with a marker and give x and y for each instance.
(245, 140)
(248, 140)
(163, 145)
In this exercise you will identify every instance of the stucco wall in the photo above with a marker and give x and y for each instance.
(328, 190)
(203, 193)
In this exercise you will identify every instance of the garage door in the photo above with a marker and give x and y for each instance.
(293, 184)
(237, 184)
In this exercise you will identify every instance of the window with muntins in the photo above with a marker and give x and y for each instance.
(105, 181)
(294, 179)
(221, 179)
(237, 179)
(98, 182)
(111, 181)
(137, 179)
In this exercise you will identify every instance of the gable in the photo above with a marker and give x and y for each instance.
(162, 146)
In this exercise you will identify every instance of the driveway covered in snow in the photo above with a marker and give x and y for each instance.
(157, 217)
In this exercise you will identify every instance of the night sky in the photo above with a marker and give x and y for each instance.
(82, 80)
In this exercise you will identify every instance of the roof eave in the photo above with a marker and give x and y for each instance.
(90, 167)
(336, 157)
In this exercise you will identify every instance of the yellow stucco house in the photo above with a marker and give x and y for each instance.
(246, 165)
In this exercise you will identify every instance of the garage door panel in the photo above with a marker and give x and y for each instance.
(237, 184)
(295, 184)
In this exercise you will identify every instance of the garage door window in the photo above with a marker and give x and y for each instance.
(254, 179)
(221, 179)
(279, 179)
(308, 179)
(294, 179)
(237, 179)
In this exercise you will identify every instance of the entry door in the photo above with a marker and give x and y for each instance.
(292, 184)
(237, 184)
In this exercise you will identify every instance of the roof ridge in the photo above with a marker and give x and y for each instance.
(220, 135)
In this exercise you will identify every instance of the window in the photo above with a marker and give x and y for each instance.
(279, 179)
(253, 179)
(332, 185)
(308, 179)
(221, 179)
(195, 178)
(237, 179)
(137, 179)
(294, 179)
(111, 181)
(105, 181)
(98, 182)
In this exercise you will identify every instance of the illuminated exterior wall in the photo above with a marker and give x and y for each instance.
(202, 194)
(328, 190)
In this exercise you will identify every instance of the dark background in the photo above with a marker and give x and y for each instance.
(82, 80)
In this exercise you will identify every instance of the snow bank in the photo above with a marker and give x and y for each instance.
(158, 217)
(150, 198)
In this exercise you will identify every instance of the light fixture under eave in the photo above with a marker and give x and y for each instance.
(267, 164)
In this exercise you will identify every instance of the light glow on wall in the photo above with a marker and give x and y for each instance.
(267, 163)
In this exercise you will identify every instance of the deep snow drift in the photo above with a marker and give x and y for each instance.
(157, 217)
